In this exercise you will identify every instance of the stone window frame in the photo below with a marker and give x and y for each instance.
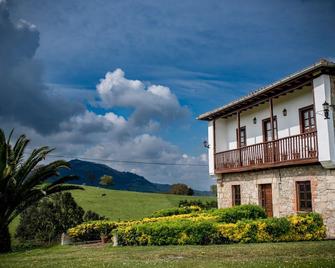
(236, 195)
(306, 199)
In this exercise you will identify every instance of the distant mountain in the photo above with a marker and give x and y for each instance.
(89, 173)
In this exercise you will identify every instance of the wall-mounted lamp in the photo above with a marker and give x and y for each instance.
(206, 145)
(284, 112)
(255, 120)
(326, 107)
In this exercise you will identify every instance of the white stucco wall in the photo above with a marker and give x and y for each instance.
(325, 127)
(211, 147)
(287, 126)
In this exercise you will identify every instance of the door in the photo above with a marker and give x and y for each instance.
(266, 198)
(270, 148)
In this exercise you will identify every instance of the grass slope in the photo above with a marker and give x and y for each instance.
(125, 205)
(297, 254)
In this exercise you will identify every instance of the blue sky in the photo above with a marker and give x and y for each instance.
(205, 52)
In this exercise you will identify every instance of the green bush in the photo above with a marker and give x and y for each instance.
(238, 213)
(199, 203)
(169, 233)
(93, 216)
(45, 221)
(277, 227)
(175, 211)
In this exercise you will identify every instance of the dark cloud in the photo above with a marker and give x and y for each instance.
(24, 97)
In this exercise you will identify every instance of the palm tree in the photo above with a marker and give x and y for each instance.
(23, 182)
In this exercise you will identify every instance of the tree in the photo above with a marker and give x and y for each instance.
(181, 189)
(214, 189)
(106, 180)
(190, 191)
(47, 219)
(23, 182)
(93, 216)
(90, 178)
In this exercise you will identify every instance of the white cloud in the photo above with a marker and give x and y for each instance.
(161, 91)
(148, 103)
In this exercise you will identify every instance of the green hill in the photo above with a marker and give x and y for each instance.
(125, 205)
(89, 174)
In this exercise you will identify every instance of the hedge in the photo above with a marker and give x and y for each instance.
(92, 230)
(238, 213)
(175, 211)
(169, 233)
(198, 203)
(246, 223)
(293, 228)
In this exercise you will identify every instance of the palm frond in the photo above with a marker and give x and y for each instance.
(27, 166)
(18, 149)
(44, 173)
(61, 188)
(63, 179)
(21, 181)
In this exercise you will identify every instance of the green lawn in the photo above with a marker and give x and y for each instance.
(123, 205)
(295, 254)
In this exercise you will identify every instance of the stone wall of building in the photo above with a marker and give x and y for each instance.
(283, 182)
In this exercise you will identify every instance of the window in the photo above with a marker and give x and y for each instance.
(307, 119)
(304, 196)
(267, 129)
(236, 194)
(243, 136)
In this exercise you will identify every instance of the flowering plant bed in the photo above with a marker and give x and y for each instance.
(241, 224)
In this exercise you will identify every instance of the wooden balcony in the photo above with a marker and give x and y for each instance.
(292, 150)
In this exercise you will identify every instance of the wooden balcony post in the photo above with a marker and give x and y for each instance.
(239, 136)
(272, 130)
(214, 144)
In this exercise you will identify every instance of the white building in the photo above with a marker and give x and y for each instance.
(276, 146)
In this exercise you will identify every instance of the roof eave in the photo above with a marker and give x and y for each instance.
(311, 69)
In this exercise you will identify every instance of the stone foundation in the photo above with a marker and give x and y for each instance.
(283, 183)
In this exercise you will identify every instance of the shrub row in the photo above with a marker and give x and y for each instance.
(238, 213)
(92, 230)
(199, 203)
(294, 228)
(168, 233)
(175, 211)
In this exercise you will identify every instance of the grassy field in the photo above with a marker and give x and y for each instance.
(126, 205)
(122, 205)
(297, 254)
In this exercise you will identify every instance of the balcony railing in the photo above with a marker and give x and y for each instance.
(296, 149)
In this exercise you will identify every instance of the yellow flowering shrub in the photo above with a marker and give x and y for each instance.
(92, 230)
(204, 227)
(293, 228)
